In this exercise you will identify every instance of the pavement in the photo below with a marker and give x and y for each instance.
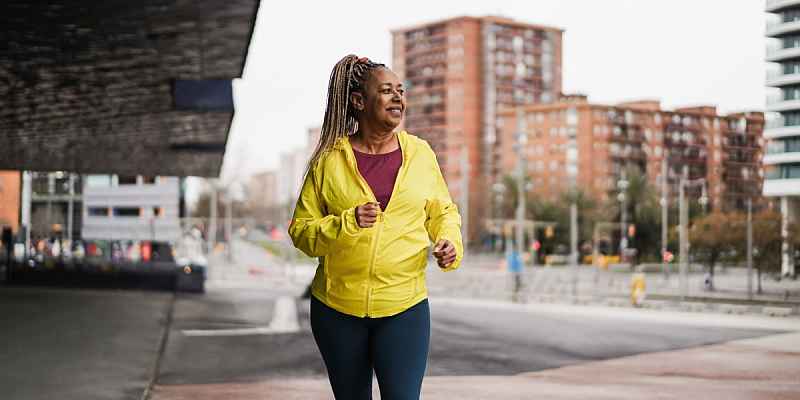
(757, 368)
(247, 339)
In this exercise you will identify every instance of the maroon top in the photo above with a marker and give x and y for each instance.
(380, 172)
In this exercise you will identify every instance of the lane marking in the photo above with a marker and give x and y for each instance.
(284, 320)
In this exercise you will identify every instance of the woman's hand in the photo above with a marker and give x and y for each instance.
(367, 214)
(445, 253)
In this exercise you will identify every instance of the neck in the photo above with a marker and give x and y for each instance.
(374, 141)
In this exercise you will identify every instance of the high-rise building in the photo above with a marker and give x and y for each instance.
(458, 74)
(782, 161)
(262, 195)
(590, 144)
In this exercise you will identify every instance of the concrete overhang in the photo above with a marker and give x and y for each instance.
(119, 86)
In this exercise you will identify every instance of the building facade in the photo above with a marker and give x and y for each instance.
(131, 208)
(9, 199)
(782, 161)
(458, 74)
(573, 140)
(56, 201)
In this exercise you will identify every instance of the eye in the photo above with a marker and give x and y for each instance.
(401, 91)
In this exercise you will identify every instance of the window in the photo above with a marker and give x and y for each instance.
(126, 180)
(791, 93)
(149, 180)
(790, 42)
(98, 181)
(98, 211)
(791, 67)
(126, 211)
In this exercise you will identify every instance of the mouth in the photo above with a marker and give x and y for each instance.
(395, 111)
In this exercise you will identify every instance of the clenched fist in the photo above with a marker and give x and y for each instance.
(445, 253)
(367, 214)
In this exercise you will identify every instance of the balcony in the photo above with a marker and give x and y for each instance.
(780, 28)
(776, 54)
(778, 103)
(782, 158)
(777, 128)
(782, 187)
(778, 5)
(778, 79)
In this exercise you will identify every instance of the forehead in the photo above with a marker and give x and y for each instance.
(384, 76)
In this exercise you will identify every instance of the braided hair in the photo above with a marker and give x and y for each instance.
(349, 75)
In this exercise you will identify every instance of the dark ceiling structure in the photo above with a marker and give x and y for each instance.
(119, 86)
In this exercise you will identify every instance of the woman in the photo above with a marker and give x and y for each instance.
(372, 202)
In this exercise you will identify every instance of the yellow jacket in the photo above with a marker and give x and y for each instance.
(377, 271)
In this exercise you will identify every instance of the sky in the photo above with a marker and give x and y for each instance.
(682, 52)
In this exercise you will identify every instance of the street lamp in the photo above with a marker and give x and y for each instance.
(685, 182)
(622, 185)
(498, 189)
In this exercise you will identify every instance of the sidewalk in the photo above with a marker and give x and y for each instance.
(763, 368)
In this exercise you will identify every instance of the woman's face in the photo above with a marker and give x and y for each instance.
(383, 101)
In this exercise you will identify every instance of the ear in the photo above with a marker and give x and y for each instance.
(357, 101)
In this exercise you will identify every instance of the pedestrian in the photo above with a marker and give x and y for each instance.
(372, 202)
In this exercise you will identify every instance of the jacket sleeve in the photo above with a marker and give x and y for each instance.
(316, 234)
(442, 218)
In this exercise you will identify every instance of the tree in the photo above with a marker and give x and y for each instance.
(643, 211)
(766, 242)
(713, 235)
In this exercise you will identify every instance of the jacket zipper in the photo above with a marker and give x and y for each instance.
(372, 261)
(354, 166)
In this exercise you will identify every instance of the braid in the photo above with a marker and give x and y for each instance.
(349, 75)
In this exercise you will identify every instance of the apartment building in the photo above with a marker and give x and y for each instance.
(458, 74)
(782, 161)
(574, 141)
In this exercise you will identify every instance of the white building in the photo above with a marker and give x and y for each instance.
(782, 159)
(131, 208)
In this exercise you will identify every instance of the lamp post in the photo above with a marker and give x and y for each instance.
(622, 185)
(664, 202)
(498, 189)
(746, 175)
(684, 222)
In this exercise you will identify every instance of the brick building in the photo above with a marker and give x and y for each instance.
(594, 143)
(459, 72)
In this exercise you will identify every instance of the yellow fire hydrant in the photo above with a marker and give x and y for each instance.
(638, 287)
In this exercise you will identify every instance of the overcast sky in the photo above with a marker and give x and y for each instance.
(683, 52)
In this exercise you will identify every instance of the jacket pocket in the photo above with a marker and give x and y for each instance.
(395, 294)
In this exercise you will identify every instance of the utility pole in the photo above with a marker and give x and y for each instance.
(212, 219)
(622, 184)
(664, 216)
(522, 141)
(70, 205)
(684, 220)
(749, 248)
(573, 214)
(465, 196)
(229, 223)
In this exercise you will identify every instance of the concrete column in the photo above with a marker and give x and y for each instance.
(787, 265)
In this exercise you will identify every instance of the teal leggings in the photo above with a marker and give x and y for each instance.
(395, 347)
